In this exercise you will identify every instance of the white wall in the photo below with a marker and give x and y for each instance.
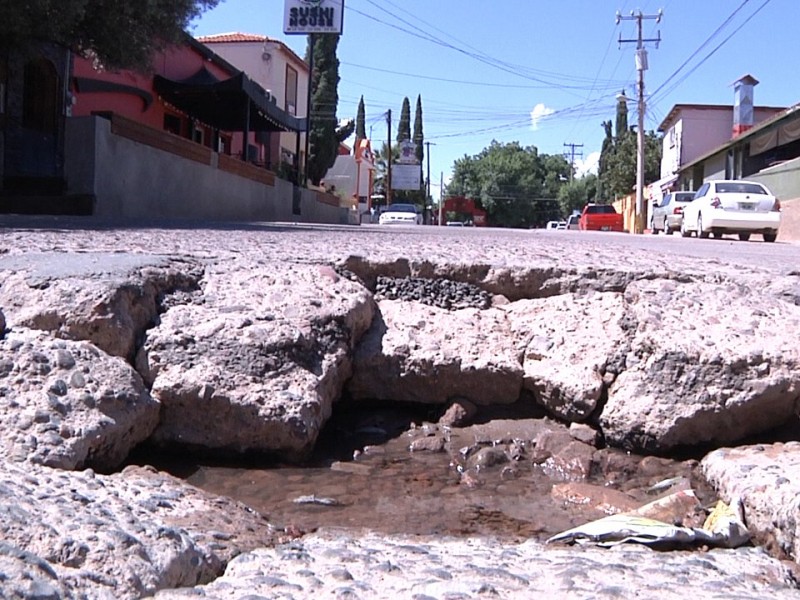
(704, 130)
(671, 149)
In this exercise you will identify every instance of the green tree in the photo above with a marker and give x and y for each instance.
(515, 185)
(577, 193)
(361, 129)
(322, 136)
(620, 178)
(616, 174)
(602, 164)
(404, 124)
(120, 33)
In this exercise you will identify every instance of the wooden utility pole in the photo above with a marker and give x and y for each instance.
(428, 178)
(389, 158)
(641, 67)
(441, 196)
(571, 156)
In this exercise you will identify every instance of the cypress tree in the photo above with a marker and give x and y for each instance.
(419, 137)
(622, 116)
(361, 130)
(322, 136)
(404, 125)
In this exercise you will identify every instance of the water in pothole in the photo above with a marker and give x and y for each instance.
(486, 479)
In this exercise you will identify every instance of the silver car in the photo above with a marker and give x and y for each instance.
(668, 215)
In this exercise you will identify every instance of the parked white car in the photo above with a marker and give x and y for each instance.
(400, 214)
(668, 214)
(732, 206)
(572, 222)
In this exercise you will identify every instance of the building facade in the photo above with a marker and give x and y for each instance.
(280, 71)
(195, 138)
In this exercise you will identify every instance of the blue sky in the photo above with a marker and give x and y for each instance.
(543, 73)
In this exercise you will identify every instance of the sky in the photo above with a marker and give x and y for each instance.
(543, 73)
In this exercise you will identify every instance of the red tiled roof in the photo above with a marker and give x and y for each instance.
(233, 36)
(236, 36)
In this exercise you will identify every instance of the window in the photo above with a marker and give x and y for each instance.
(197, 133)
(740, 188)
(291, 91)
(224, 144)
(597, 209)
(172, 123)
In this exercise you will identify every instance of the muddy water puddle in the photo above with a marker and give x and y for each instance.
(487, 479)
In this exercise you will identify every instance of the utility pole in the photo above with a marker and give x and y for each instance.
(441, 196)
(571, 155)
(389, 158)
(428, 176)
(641, 67)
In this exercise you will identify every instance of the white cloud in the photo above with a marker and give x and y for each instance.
(538, 113)
(587, 165)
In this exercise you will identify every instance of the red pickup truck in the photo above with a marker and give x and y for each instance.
(601, 217)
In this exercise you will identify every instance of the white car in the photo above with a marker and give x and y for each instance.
(732, 206)
(668, 214)
(400, 214)
(572, 222)
(556, 225)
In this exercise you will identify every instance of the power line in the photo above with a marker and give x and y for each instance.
(714, 51)
(480, 57)
(571, 155)
(703, 45)
(608, 85)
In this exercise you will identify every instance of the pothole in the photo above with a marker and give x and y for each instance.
(396, 468)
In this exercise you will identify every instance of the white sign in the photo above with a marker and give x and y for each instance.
(313, 16)
(406, 177)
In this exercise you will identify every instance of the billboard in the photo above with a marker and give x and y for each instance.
(313, 16)
(406, 177)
